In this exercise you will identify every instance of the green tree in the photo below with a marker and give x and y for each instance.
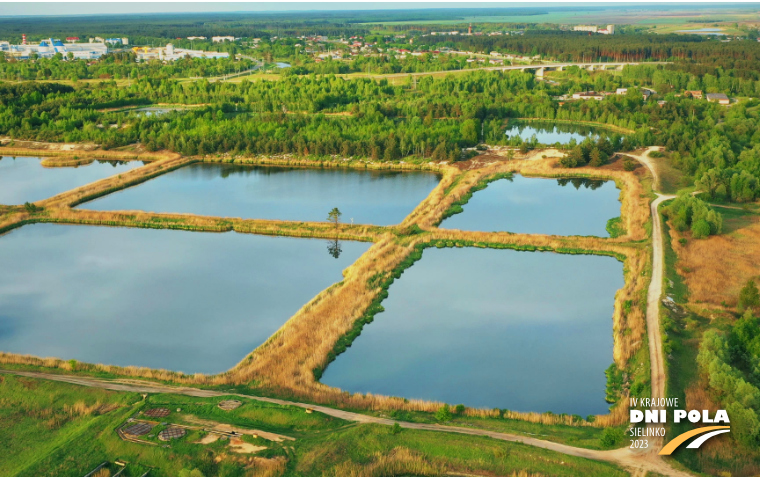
(700, 229)
(749, 298)
(334, 216)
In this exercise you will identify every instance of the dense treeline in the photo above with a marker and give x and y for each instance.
(580, 46)
(731, 362)
(119, 66)
(318, 115)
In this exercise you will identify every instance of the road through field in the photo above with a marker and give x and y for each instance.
(635, 462)
(655, 287)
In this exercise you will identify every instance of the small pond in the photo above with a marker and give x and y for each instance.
(184, 301)
(491, 328)
(703, 31)
(23, 179)
(550, 133)
(367, 197)
(540, 206)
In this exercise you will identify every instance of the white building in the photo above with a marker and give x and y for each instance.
(222, 39)
(169, 53)
(48, 49)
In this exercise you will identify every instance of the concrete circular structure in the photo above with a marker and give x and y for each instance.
(229, 405)
(171, 432)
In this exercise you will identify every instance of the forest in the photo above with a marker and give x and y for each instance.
(430, 118)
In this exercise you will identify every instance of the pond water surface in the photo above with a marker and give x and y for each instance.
(23, 179)
(367, 197)
(491, 328)
(703, 31)
(184, 301)
(540, 206)
(547, 133)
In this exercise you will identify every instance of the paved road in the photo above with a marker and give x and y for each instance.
(638, 463)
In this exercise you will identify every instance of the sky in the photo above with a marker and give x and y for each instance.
(100, 7)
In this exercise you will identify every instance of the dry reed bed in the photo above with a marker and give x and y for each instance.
(334, 162)
(73, 157)
(716, 268)
(137, 219)
(115, 183)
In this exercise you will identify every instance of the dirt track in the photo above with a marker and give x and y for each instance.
(655, 287)
(636, 462)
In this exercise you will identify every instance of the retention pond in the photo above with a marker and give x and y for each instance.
(491, 328)
(277, 193)
(184, 301)
(24, 179)
(540, 206)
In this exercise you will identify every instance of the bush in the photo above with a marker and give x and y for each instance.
(444, 413)
(749, 297)
(611, 438)
(688, 212)
(629, 164)
(700, 229)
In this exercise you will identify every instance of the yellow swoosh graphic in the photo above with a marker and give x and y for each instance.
(673, 445)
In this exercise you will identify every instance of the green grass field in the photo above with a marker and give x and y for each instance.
(58, 429)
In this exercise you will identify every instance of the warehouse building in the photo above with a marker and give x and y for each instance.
(48, 49)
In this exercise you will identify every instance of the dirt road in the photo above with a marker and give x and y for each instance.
(655, 287)
(637, 463)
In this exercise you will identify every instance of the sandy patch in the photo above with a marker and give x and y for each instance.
(240, 447)
(208, 439)
(270, 436)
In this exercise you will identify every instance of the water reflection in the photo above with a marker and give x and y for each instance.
(579, 182)
(491, 328)
(185, 301)
(540, 206)
(279, 193)
(23, 179)
(334, 248)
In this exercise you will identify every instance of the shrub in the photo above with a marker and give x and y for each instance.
(749, 297)
(629, 164)
(611, 437)
(444, 413)
(700, 229)
(688, 212)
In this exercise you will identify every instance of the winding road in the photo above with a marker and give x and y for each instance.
(655, 286)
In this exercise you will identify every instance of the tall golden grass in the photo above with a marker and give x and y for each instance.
(114, 183)
(55, 157)
(716, 268)
(366, 233)
(333, 162)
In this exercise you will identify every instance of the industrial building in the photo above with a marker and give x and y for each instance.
(169, 53)
(48, 49)
(610, 30)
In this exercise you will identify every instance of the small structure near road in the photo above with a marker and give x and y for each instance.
(229, 405)
(171, 432)
(139, 429)
(157, 412)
